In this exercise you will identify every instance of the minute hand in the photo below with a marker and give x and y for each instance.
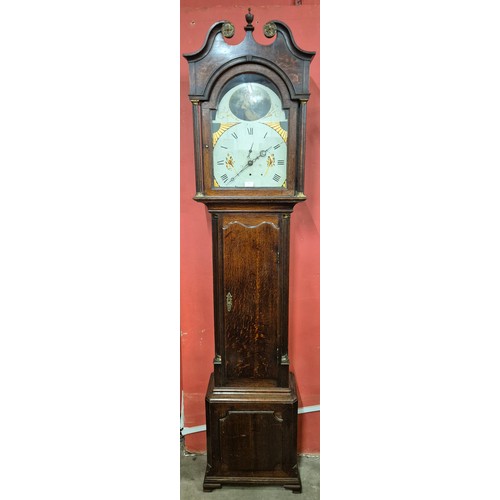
(263, 153)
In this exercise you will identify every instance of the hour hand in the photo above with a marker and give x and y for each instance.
(249, 164)
(250, 151)
(262, 153)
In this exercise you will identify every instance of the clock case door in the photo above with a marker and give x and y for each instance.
(250, 252)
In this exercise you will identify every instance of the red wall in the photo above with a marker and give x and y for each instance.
(197, 330)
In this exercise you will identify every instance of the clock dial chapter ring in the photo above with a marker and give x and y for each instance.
(250, 155)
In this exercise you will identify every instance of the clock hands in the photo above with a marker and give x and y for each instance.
(261, 154)
(250, 151)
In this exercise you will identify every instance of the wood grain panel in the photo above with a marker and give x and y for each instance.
(251, 257)
(251, 441)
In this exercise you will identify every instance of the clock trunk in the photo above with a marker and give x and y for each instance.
(250, 251)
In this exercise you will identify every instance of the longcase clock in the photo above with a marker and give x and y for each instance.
(249, 114)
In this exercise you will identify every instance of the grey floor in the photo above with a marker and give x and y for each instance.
(193, 470)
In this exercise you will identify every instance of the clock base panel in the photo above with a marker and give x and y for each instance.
(252, 437)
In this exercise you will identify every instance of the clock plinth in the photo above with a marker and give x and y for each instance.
(252, 436)
(249, 117)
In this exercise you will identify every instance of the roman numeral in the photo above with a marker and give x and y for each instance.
(281, 162)
(220, 162)
(250, 131)
(265, 135)
(224, 178)
(277, 146)
(224, 147)
(234, 135)
(276, 178)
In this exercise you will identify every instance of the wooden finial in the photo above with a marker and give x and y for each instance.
(249, 20)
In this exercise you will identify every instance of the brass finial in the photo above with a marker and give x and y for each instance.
(249, 20)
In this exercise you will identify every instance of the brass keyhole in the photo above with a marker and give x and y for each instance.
(229, 301)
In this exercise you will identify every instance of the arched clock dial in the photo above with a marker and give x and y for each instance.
(250, 155)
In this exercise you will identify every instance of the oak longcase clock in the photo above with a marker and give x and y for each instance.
(249, 116)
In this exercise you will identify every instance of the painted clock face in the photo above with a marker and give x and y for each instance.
(249, 135)
(250, 155)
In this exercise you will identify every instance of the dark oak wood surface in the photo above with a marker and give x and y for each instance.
(252, 437)
(251, 259)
